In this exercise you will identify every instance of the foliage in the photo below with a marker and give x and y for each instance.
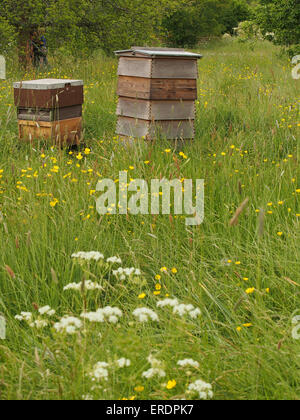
(248, 30)
(201, 18)
(7, 36)
(85, 25)
(247, 128)
(281, 17)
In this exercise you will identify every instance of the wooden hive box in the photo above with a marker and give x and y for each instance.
(157, 89)
(50, 109)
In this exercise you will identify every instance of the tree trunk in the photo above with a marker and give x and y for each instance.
(24, 48)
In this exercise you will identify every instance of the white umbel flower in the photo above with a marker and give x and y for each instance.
(25, 316)
(123, 273)
(188, 363)
(46, 310)
(88, 285)
(123, 362)
(145, 315)
(155, 370)
(108, 313)
(39, 324)
(167, 302)
(114, 260)
(88, 256)
(68, 325)
(150, 373)
(203, 389)
(180, 308)
(100, 371)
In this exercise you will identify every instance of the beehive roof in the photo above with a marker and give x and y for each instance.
(159, 52)
(46, 84)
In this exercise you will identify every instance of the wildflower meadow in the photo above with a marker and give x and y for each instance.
(146, 307)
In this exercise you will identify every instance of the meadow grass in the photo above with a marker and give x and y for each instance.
(244, 278)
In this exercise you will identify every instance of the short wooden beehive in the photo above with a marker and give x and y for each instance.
(157, 89)
(50, 109)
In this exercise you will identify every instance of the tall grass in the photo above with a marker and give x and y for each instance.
(246, 146)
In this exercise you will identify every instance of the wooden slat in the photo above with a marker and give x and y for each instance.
(141, 128)
(135, 67)
(162, 89)
(58, 132)
(32, 114)
(134, 87)
(156, 110)
(135, 108)
(172, 110)
(49, 99)
(132, 127)
(167, 68)
(157, 89)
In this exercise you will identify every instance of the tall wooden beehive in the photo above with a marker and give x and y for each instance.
(157, 89)
(50, 109)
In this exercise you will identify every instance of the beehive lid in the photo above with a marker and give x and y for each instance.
(158, 52)
(47, 84)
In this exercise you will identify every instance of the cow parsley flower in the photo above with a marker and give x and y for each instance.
(100, 371)
(188, 362)
(167, 302)
(201, 388)
(123, 362)
(108, 313)
(150, 373)
(25, 316)
(88, 256)
(183, 309)
(145, 314)
(123, 273)
(180, 308)
(39, 324)
(114, 260)
(68, 325)
(155, 370)
(88, 285)
(46, 310)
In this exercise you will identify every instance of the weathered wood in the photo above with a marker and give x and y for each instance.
(156, 110)
(174, 129)
(162, 89)
(135, 108)
(58, 132)
(172, 110)
(132, 127)
(168, 68)
(159, 68)
(157, 89)
(49, 99)
(136, 67)
(33, 114)
(134, 87)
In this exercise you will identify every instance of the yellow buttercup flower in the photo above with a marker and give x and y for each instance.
(171, 384)
(250, 290)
